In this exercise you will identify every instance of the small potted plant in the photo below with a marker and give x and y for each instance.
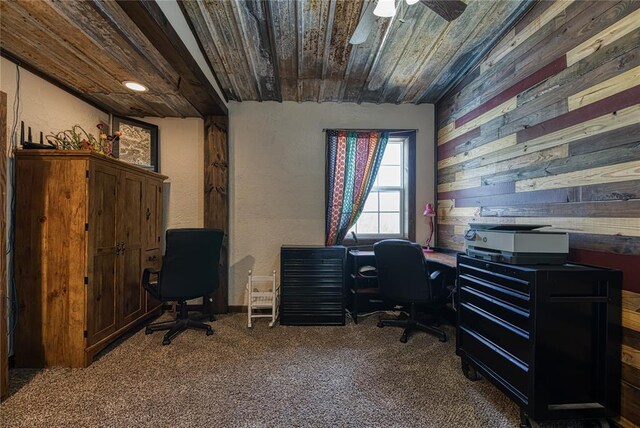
(77, 138)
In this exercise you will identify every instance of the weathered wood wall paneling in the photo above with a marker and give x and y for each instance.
(216, 197)
(4, 352)
(546, 130)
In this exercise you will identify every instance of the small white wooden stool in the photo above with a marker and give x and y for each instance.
(262, 299)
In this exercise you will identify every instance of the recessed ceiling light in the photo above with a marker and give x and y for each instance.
(135, 86)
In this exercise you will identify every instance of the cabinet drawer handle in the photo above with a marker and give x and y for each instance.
(152, 258)
(148, 213)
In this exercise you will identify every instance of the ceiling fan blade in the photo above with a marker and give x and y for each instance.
(367, 19)
(448, 9)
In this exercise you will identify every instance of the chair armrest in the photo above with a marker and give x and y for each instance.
(151, 287)
(146, 275)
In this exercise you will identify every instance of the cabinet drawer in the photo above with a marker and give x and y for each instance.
(501, 308)
(152, 259)
(509, 372)
(497, 279)
(496, 291)
(510, 338)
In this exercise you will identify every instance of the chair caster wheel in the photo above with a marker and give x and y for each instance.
(404, 338)
(147, 331)
(443, 338)
(209, 331)
(166, 342)
(212, 318)
(380, 324)
(470, 372)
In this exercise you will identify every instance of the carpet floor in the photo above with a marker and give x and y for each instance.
(357, 375)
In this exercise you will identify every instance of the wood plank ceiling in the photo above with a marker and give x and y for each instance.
(90, 47)
(298, 50)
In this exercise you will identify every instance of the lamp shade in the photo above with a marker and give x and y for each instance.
(385, 8)
(429, 211)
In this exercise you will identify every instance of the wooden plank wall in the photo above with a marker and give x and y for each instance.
(546, 130)
(4, 345)
(216, 197)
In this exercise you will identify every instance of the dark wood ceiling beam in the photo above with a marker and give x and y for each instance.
(194, 85)
(55, 82)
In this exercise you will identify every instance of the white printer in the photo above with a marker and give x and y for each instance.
(519, 244)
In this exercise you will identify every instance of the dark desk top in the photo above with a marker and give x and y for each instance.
(448, 259)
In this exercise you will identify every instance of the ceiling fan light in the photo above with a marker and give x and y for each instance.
(410, 2)
(385, 8)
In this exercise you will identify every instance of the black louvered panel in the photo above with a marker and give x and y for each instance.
(312, 285)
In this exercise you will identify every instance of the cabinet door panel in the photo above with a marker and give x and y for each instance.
(101, 318)
(153, 216)
(132, 295)
(130, 231)
(101, 289)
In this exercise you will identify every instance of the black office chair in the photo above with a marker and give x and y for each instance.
(404, 278)
(189, 270)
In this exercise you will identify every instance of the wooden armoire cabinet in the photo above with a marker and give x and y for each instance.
(86, 227)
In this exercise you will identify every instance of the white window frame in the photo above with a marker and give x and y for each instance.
(404, 206)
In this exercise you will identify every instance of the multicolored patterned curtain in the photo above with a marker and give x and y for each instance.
(353, 160)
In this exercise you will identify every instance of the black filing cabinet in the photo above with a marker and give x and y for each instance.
(312, 285)
(547, 336)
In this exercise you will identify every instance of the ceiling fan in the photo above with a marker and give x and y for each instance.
(448, 9)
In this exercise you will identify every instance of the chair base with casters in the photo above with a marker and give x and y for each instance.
(412, 324)
(177, 326)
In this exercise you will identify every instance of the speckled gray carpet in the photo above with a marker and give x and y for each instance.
(358, 375)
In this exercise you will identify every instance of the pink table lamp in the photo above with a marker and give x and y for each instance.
(429, 212)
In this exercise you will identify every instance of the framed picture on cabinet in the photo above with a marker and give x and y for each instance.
(138, 143)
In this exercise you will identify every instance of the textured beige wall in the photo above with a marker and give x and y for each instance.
(182, 160)
(277, 173)
(43, 106)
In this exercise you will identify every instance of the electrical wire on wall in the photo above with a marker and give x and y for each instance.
(10, 250)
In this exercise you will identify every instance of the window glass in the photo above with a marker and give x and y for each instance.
(389, 223)
(390, 176)
(390, 201)
(368, 223)
(384, 211)
(371, 204)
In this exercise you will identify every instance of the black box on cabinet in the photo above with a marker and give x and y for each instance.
(312, 285)
(547, 336)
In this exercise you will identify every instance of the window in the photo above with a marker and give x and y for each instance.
(385, 212)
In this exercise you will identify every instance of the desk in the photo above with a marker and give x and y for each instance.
(448, 259)
(367, 285)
